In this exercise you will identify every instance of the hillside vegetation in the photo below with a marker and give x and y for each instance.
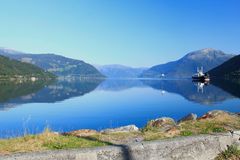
(56, 64)
(11, 68)
(229, 69)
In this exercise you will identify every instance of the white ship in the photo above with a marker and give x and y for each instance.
(200, 76)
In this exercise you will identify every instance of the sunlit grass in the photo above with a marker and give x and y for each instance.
(45, 141)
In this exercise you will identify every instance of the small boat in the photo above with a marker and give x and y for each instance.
(200, 76)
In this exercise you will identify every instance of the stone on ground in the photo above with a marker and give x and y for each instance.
(129, 128)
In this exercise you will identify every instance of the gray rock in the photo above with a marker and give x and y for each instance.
(82, 133)
(213, 114)
(189, 117)
(163, 124)
(129, 128)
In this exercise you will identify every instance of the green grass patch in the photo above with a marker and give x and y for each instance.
(67, 142)
(203, 127)
(45, 141)
(232, 153)
(218, 129)
(186, 133)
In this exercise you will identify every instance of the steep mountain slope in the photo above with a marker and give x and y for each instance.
(11, 68)
(53, 63)
(120, 71)
(229, 69)
(187, 65)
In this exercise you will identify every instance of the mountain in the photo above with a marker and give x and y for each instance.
(10, 68)
(56, 64)
(186, 66)
(120, 71)
(229, 69)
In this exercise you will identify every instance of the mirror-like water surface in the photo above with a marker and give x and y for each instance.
(73, 103)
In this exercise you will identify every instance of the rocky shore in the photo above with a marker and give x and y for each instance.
(166, 127)
(211, 123)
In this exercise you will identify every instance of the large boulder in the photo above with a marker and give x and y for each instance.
(129, 128)
(215, 114)
(81, 133)
(189, 117)
(163, 124)
(172, 131)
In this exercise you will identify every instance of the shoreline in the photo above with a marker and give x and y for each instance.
(124, 128)
(213, 122)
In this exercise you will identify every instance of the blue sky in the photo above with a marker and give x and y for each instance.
(129, 32)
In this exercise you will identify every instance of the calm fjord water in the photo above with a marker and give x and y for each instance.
(71, 104)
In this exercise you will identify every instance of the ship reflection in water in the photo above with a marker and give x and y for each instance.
(72, 103)
(200, 86)
(195, 91)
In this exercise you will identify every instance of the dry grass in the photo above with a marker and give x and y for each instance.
(45, 141)
(220, 123)
(149, 135)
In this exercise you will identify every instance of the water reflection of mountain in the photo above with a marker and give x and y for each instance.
(203, 94)
(10, 90)
(42, 93)
(230, 86)
(119, 84)
(13, 94)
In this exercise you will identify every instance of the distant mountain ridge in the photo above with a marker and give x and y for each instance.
(120, 71)
(186, 66)
(6, 51)
(56, 64)
(229, 69)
